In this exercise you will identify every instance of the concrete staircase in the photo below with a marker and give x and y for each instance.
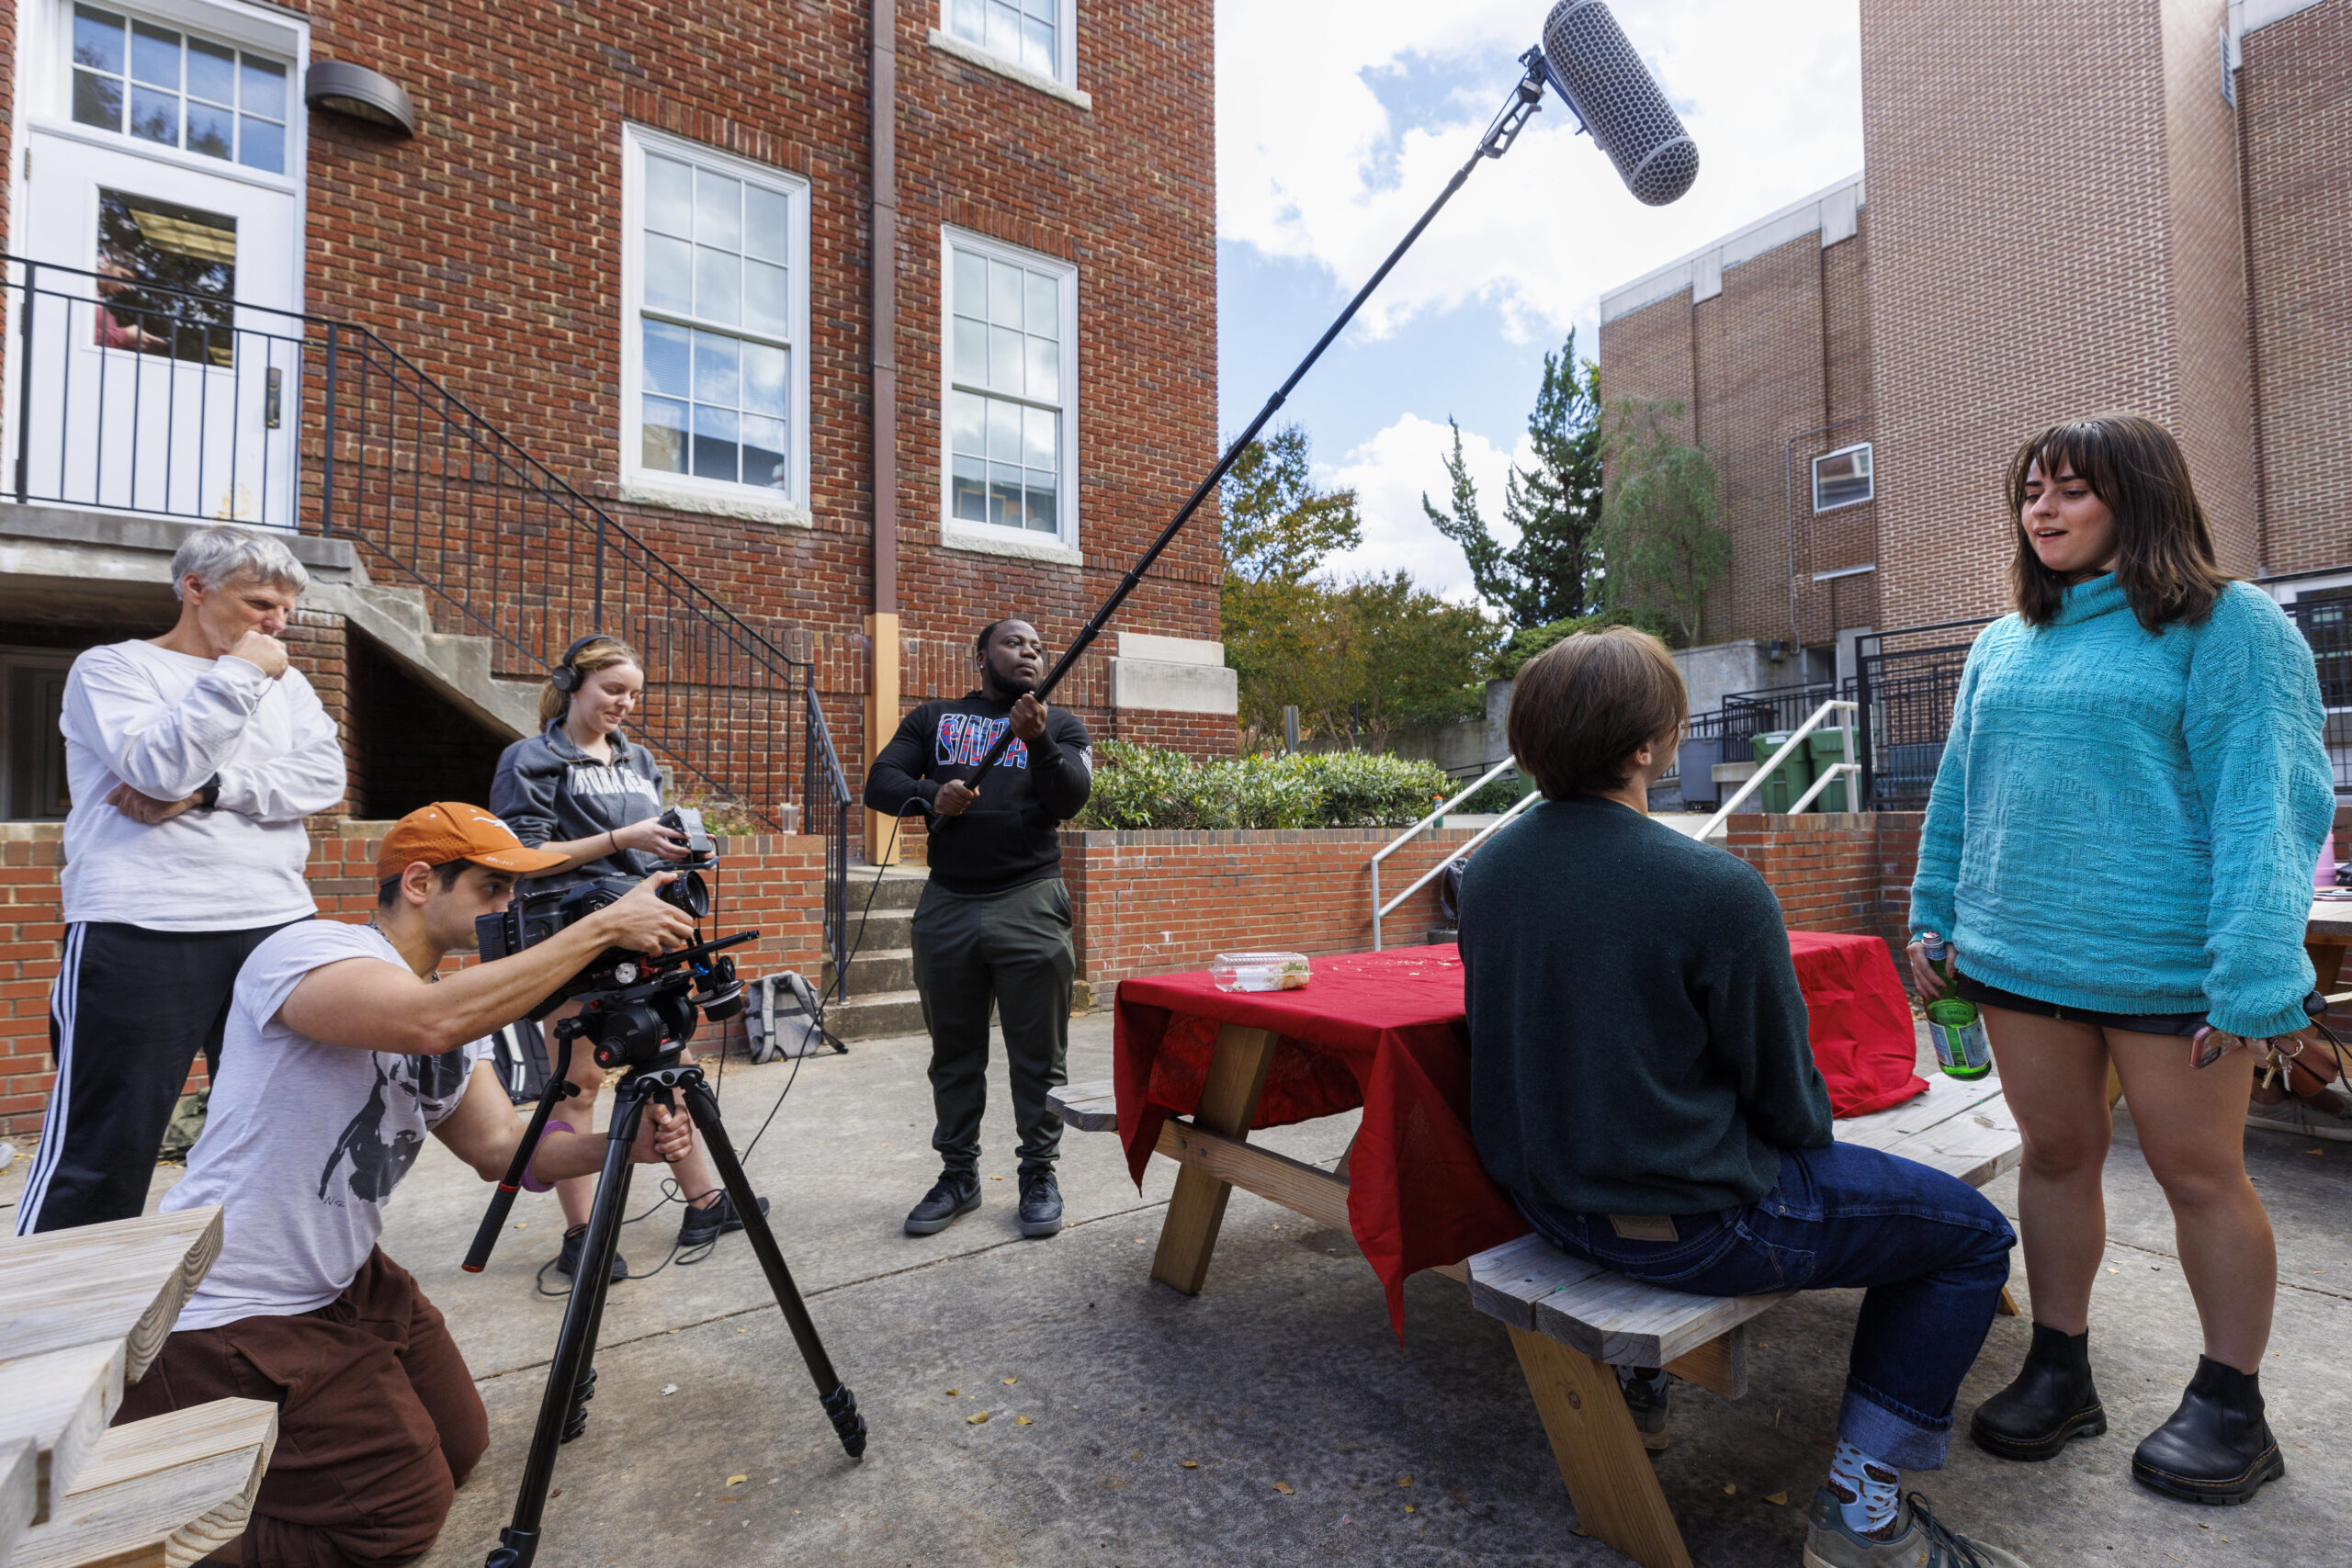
(882, 1000)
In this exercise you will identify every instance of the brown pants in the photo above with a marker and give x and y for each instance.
(377, 1419)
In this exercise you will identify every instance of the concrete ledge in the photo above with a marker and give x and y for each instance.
(750, 506)
(1167, 687)
(972, 54)
(1007, 542)
(159, 536)
(1171, 649)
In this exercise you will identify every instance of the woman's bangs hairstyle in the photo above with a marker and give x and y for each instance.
(602, 654)
(2164, 551)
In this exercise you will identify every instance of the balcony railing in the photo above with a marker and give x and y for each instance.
(174, 403)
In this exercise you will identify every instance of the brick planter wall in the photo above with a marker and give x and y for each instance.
(1834, 871)
(774, 885)
(1154, 903)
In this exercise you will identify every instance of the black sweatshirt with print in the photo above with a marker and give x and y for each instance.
(1011, 834)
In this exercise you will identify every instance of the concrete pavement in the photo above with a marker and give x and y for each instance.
(1160, 1426)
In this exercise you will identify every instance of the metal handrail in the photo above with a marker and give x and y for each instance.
(1415, 831)
(1755, 781)
(1489, 831)
(355, 441)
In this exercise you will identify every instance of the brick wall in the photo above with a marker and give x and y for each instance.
(1158, 903)
(489, 249)
(1836, 871)
(1776, 371)
(775, 886)
(2295, 131)
(1999, 305)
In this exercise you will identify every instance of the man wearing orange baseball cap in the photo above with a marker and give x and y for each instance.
(346, 1048)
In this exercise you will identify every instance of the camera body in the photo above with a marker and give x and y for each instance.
(635, 1007)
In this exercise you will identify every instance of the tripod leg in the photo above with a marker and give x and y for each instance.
(584, 1388)
(519, 1542)
(839, 1403)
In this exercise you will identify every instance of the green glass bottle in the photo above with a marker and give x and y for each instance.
(1955, 1026)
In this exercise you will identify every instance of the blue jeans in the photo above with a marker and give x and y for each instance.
(1930, 1252)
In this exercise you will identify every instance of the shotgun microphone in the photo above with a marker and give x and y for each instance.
(1589, 62)
(1584, 57)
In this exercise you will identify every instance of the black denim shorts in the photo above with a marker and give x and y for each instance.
(2181, 1023)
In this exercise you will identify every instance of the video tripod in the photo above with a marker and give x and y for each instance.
(655, 1072)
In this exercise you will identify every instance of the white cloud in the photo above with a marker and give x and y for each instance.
(1389, 474)
(1311, 166)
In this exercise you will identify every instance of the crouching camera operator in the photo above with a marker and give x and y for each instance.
(342, 1052)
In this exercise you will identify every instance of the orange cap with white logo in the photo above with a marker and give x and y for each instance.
(449, 830)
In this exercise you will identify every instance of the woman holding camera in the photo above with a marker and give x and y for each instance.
(583, 789)
(2119, 848)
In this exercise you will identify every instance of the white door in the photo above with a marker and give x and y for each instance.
(161, 228)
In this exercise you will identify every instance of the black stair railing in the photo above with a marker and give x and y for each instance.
(173, 402)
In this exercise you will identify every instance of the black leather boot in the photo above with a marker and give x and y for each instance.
(2217, 1448)
(2051, 1401)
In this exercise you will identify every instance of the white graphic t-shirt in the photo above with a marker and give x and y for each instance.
(303, 1142)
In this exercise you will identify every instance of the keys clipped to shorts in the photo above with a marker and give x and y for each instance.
(2209, 1045)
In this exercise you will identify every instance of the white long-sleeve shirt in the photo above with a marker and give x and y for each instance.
(163, 722)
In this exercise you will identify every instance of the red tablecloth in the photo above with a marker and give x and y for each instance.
(1385, 1031)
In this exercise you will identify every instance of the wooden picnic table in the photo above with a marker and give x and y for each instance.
(82, 1312)
(2326, 937)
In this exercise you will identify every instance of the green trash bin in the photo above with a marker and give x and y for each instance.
(1791, 779)
(1825, 748)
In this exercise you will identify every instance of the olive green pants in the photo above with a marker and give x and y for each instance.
(1013, 949)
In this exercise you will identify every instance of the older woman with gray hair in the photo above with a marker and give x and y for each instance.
(193, 758)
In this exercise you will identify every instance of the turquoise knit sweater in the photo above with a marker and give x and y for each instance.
(2127, 822)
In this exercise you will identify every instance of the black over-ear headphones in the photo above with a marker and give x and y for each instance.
(566, 676)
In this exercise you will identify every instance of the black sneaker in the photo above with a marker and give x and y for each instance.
(567, 1262)
(1041, 1203)
(950, 1199)
(702, 1226)
(1646, 1391)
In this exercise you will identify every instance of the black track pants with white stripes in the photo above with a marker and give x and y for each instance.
(131, 1010)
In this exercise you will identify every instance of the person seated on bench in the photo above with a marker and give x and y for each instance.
(1641, 1081)
(340, 1058)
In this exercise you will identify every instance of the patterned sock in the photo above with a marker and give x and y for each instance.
(1867, 1491)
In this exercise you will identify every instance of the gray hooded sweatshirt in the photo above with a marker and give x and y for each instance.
(549, 791)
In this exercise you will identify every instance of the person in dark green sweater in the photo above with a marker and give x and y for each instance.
(1642, 1081)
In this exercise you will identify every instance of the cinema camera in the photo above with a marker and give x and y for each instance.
(634, 1008)
(637, 1011)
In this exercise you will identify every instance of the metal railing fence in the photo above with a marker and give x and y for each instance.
(175, 404)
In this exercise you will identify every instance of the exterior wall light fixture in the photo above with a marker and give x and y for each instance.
(339, 88)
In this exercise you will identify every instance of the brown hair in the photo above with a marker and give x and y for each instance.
(1585, 704)
(2164, 556)
(601, 654)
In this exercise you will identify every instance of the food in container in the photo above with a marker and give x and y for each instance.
(1260, 971)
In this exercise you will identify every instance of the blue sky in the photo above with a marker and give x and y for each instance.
(1339, 120)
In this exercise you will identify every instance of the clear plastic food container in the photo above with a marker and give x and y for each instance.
(1260, 971)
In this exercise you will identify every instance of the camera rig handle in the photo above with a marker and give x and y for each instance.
(501, 1202)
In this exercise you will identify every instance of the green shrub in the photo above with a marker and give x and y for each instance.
(1140, 787)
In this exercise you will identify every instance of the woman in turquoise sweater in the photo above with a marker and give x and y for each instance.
(2119, 848)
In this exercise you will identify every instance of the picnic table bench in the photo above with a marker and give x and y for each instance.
(82, 1312)
(1571, 1321)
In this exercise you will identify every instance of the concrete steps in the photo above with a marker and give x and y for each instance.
(882, 1000)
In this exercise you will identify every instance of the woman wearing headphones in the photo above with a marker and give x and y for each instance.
(581, 788)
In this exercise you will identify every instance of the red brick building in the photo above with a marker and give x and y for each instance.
(535, 319)
(2134, 204)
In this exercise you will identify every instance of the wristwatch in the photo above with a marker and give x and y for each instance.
(208, 795)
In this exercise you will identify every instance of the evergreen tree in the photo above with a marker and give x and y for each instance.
(1553, 572)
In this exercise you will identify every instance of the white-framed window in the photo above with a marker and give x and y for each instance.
(1009, 364)
(171, 87)
(714, 329)
(1036, 35)
(1841, 478)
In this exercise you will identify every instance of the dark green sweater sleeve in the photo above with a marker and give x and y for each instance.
(1757, 1025)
